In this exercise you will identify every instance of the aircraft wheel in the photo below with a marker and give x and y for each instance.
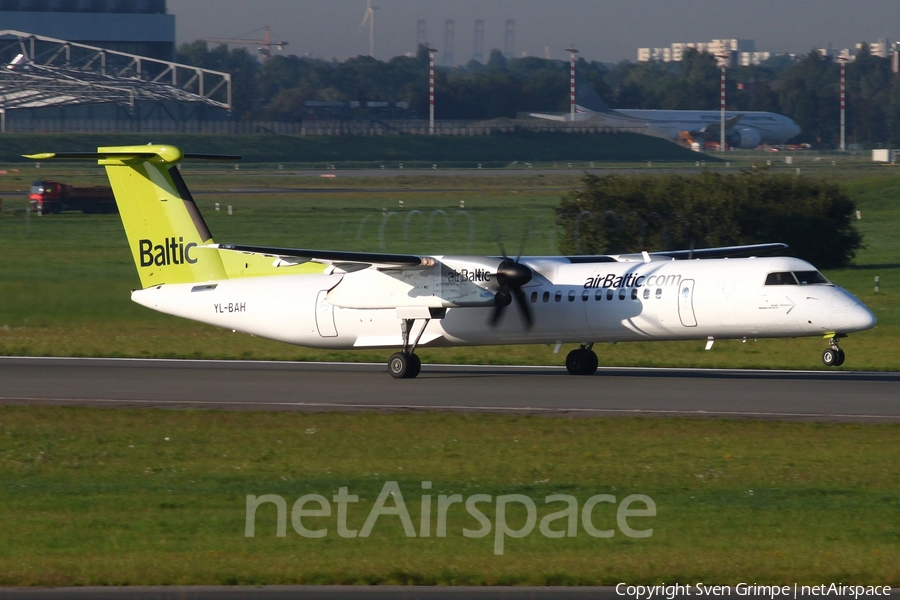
(579, 362)
(593, 362)
(404, 366)
(415, 365)
(840, 357)
(830, 357)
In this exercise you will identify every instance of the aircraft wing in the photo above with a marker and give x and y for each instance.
(717, 126)
(721, 252)
(349, 261)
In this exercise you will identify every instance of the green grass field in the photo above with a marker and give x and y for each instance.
(372, 151)
(119, 497)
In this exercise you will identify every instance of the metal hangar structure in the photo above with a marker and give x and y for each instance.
(76, 86)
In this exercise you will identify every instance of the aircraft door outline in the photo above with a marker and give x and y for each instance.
(686, 303)
(325, 316)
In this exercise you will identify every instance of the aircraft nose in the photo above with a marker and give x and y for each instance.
(849, 314)
(794, 129)
(861, 317)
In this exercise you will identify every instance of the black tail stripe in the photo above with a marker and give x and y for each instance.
(190, 205)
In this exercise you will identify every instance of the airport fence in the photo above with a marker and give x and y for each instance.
(302, 128)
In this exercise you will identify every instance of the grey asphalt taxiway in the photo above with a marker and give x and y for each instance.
(290, 386)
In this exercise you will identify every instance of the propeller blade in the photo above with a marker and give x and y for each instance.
(502, 299)
(522, 301)
(497, 314)
(525, 237)
(499, 239)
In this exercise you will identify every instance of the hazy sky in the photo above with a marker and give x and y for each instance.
(605, 30)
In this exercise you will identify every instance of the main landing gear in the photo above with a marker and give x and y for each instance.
(582, 361)
(833, 356)
(405, 364)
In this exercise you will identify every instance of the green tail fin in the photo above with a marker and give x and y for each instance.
(164, 227)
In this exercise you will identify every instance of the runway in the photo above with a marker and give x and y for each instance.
(289, 386)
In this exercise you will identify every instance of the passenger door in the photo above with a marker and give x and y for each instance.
(686, 303)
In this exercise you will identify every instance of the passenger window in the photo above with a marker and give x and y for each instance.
(533, 297)
(646, 293)
(585, 295)
(598, 295)
(557, 296)
(609, 294)
(546, 296)
(809, 277)
(658, 293)
(782, 278)
(622, 294)
(571, 295)
(634, 293)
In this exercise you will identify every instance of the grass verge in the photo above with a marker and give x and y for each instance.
(148, 497)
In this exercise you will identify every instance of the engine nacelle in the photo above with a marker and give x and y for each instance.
(744, 137)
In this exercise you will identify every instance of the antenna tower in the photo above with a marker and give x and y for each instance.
(509, 40)
(421, 34)
(449, 27)
(478, 52)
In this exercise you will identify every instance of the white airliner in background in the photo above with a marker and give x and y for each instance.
(336, 299)
(743, 129)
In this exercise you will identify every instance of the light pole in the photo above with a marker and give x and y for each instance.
(431, 51)
(843, 61)
(723, 62)
(572, 52)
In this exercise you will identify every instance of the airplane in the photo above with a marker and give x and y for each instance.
(348, 300)
(743, 129)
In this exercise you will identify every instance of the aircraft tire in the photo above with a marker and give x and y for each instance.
(840, 357)
(578, 362)
(830, 357)
(415, 366)
(404, 366)
(593, 362)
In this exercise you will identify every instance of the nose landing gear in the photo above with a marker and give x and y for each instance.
(582, 361)
(833, 356)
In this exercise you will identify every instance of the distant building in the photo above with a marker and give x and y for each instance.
(139, 27)
(738, 51)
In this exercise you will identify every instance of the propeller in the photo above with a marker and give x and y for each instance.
(511, 276)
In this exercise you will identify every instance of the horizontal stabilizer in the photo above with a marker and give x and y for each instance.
(166, 153)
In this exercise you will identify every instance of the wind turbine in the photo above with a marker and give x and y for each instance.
(369, 17)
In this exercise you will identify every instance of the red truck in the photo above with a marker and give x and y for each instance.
(53, 197)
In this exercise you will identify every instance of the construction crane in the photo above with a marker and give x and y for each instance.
(265, 44)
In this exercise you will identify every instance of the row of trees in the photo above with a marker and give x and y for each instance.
(625, 214)
(806, 90)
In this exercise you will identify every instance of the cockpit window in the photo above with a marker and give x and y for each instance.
(781, 278)
(810, 277)
(797, 277)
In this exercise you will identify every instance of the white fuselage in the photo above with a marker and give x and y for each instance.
(571, 302)
(772, 127)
